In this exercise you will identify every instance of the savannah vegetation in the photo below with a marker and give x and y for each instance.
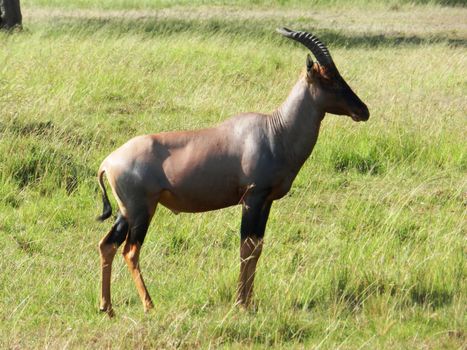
(367, 250)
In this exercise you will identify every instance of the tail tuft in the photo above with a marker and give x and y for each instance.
(107, 209)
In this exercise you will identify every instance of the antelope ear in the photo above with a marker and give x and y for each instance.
(309, 63)
(311, 69)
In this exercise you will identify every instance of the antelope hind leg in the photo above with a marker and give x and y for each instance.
(131, 252)
(107, 248)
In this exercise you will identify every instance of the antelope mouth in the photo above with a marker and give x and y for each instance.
(360, 117)
(356, 118)
(361, 114)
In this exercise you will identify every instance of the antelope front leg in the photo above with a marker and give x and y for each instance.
(254, 218)
(250, 251)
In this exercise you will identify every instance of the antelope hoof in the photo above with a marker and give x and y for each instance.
(148, 306)
(250, 308)
(247, 305)
(242, 304)
(108, 310)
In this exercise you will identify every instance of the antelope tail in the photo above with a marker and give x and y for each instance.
(107, 208)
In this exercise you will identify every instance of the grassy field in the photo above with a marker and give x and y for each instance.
(368, 249)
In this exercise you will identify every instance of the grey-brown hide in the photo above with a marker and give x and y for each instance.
(250, 159)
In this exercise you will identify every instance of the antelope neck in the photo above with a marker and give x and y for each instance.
(295, 125)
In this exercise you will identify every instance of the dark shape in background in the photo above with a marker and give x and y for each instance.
(10, 14)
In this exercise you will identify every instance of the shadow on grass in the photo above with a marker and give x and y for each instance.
(355, 291)
(433, 297)
(441, 2)
(264, 29)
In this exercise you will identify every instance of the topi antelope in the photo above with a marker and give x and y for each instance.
(249, 159)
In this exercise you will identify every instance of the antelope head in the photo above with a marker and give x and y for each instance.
(327, 86)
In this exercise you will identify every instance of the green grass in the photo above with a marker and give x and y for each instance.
(367, 250)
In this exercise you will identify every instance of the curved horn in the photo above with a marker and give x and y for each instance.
(318, 49)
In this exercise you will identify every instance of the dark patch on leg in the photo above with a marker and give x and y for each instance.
(139, 228)
(254, 218)
(119, 231)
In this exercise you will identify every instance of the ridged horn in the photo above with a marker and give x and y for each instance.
(319, 50)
